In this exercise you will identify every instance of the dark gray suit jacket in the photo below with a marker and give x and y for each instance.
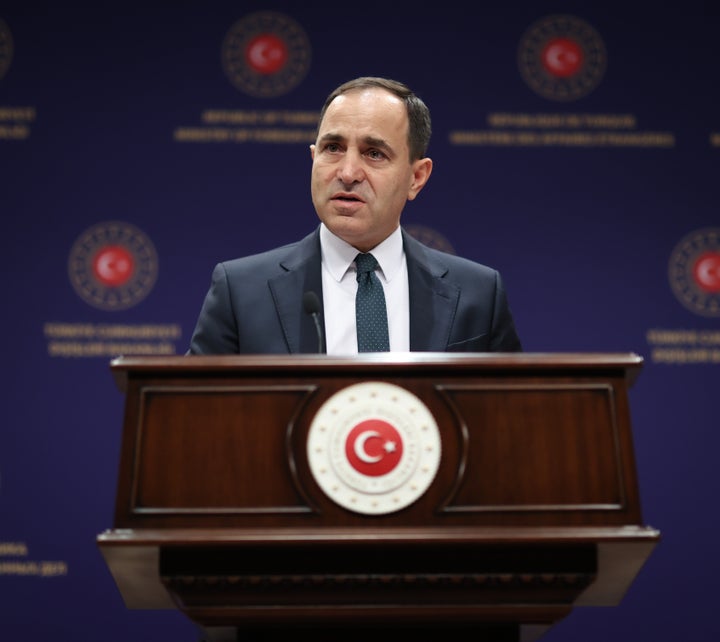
(255, 303)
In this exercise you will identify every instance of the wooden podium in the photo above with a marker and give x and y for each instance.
(533, 507)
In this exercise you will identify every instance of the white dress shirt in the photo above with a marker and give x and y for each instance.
(340, 285)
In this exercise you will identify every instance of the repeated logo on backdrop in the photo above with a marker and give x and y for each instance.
(6, 48)
(562, 57)
(694, 278)
(694, 271)
(15, 120)
(266, 54)
(113, 265)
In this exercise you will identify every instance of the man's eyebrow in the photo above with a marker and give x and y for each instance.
(369, 141)
(380, 143)
(331, 137)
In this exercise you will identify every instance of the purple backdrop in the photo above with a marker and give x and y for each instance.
(592, 184)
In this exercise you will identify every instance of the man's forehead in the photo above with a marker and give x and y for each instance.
(366, 97)
(368, 113)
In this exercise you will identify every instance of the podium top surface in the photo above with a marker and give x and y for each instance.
(388, 363)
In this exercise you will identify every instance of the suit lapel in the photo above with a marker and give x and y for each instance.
(433, 300)
(301, 273)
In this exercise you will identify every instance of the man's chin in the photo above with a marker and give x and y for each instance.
(350, 230)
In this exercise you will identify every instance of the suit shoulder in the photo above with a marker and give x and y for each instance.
(289, 255)
(440, 261)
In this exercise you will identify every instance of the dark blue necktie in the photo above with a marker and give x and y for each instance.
(370, 311)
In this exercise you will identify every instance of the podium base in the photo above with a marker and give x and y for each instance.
(385, 633)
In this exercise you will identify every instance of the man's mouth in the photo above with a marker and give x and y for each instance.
(348, 198)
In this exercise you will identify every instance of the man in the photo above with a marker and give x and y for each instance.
(368, 161)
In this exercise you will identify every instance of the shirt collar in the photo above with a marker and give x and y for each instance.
(338, 256)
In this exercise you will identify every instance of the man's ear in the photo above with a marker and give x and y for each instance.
(421, 173)
(312, 151)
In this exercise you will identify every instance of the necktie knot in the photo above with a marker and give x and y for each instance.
(365, 263)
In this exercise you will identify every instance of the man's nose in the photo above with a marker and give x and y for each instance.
(350, 169)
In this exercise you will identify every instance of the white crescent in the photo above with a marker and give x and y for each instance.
(709, 272)
(559, 58)
(360, 447)
(261, 53)
(108, 266)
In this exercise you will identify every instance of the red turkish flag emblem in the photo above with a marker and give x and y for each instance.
(374, 447)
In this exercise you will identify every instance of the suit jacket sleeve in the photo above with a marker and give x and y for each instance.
(216, 328)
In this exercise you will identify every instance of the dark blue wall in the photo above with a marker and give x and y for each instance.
(595, 224)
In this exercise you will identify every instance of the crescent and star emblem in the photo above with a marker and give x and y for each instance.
(113, 266)
(374, 448)
(361, 450)
(708, 271)
(267, 54)
(563, 57)
(694, 271)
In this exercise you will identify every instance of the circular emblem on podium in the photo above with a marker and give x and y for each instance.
(374, 448)
(113, 266)
(694, 271)
(562, 58)
(266, 54)
(6, 48)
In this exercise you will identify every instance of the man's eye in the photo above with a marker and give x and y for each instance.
(332, 147)
(375, 154)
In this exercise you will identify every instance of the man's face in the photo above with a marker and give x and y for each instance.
(361, 174)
